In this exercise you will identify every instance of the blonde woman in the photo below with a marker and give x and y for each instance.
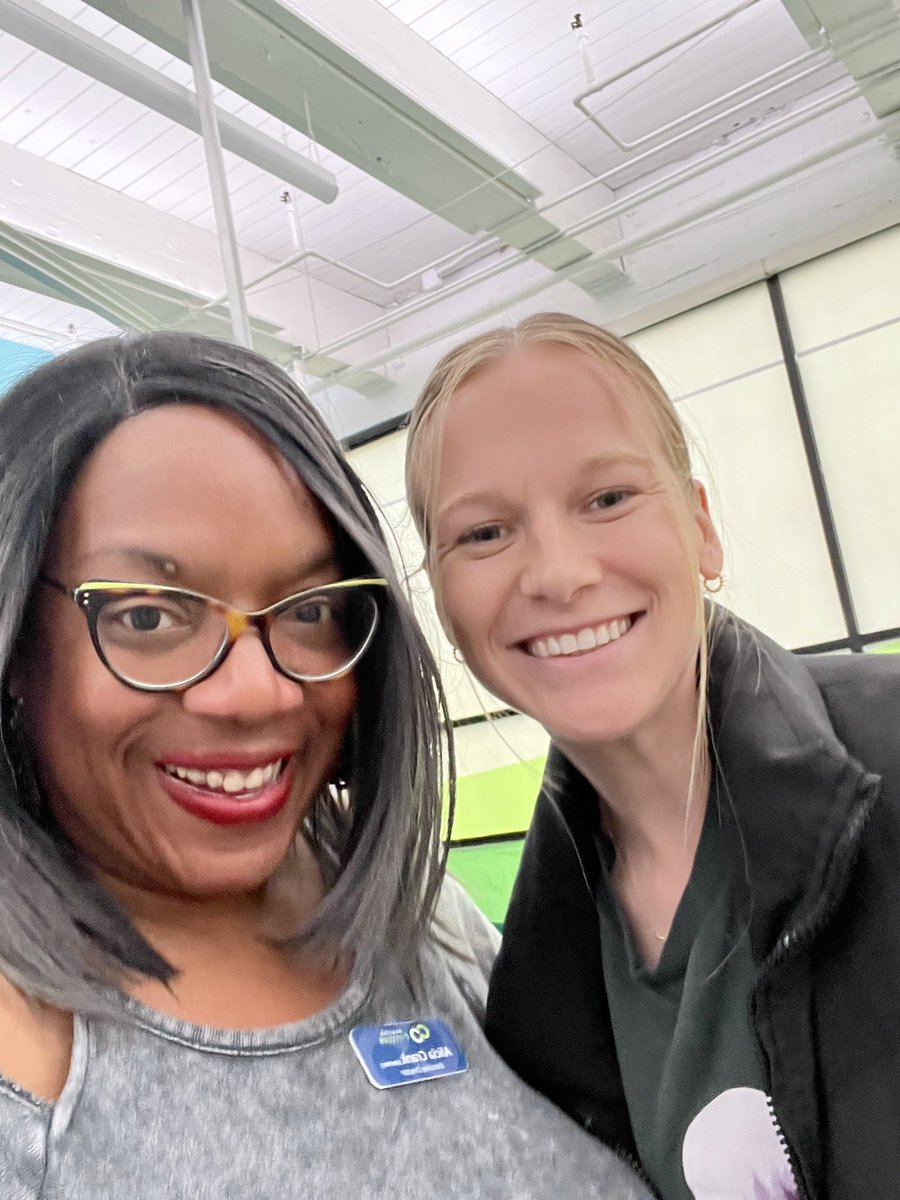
(702, 960)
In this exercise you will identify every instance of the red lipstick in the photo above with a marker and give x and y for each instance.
(222, 808)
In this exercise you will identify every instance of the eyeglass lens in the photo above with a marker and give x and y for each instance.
(163, 640)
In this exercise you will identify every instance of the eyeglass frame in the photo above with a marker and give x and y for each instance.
(237, 622)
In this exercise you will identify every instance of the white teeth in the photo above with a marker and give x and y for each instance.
(585, 639)
(231, 782)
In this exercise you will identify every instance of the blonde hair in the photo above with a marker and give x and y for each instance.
(424, 445)
(559, 329)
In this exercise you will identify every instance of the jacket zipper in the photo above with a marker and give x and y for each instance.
(795, 939)
(779, 1133)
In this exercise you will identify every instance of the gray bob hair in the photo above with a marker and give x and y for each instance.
(63, 939)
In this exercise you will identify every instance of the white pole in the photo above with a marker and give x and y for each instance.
(228, 248)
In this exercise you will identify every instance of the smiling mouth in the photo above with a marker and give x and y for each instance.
(231, 783)
(580, 641)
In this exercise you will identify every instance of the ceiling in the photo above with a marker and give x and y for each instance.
(486, 156)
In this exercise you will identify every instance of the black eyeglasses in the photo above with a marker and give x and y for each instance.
(165, 639)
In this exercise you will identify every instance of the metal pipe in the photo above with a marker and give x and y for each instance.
(863, 33)
(65, 41)
(218, 185)
(718, 113)
(35, 334)
(299, 256)
(608, 212)
(615, 250)
(657, 54)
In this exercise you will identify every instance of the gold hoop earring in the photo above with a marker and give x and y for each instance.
(713, 586)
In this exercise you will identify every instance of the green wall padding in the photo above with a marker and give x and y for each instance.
(885, 648)
(498, 801)
(487, 873)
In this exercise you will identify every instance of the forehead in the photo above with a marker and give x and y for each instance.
(191, 483)
(541, 406)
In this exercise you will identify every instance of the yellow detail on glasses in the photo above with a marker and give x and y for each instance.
(165, 639)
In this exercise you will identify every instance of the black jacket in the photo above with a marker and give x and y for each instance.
(810, 749)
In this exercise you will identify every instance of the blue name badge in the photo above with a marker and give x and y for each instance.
(407, 1052)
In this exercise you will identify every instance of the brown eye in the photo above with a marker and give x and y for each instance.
(144, 619)
(482, 534)
(609, 499)
(311, 612)
(143, 615)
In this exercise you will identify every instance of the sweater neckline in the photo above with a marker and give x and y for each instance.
(294, 1035)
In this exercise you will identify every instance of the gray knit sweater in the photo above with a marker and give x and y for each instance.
(157, 1109)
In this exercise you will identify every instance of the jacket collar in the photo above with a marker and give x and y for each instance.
(793, 782)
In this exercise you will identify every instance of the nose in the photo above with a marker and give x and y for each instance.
(245, 686)
(560, 560)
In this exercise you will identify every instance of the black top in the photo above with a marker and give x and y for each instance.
(694, 1078)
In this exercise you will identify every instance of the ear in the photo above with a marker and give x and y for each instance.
(710, 556)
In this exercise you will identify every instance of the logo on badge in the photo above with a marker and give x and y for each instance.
(419, 1034)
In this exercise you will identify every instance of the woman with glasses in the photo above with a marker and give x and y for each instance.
(227, 967)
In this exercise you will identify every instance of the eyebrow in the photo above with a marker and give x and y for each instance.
(594, 463)
(169, 568)
(163, 564)
(598, 461)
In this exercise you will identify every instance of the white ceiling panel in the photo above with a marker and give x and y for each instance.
(512, 59)
(12, 53)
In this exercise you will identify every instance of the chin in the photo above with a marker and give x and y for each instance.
(588, 728)
(217, 876)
